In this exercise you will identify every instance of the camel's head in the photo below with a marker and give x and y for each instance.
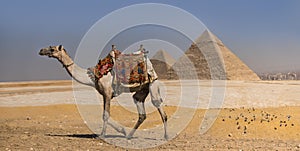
(52, 51)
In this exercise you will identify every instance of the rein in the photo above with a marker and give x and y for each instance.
(66, 66)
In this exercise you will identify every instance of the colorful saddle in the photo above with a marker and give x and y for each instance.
(103, 67)
(131, 69)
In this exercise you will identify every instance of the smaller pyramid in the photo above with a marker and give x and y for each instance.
(162, 62)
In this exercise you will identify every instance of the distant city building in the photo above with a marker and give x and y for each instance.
(279, 76)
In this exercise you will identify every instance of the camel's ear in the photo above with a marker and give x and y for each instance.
(60, 47)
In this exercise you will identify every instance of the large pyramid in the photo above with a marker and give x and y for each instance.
(162, 62)
(202, 61)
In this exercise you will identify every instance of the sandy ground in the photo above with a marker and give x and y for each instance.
(61, 127)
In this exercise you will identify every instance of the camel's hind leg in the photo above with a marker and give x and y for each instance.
(139, 99)
(157, 101)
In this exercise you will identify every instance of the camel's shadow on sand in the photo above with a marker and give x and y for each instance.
(94, 136)
(88, 136)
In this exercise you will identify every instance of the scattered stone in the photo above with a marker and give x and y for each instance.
(223, 120)
(275, 128)
(229, 135)
(229, 116)
(289, 117)
(28, 118)
(292, 124)
(239, 127)
(282, 145)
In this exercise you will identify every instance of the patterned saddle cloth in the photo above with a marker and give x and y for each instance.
(103, 67)
(129, 70)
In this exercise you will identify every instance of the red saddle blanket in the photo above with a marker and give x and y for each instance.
(130, 69)
(103, 67)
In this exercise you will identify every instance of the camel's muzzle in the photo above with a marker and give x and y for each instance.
(44, 52)
(41, 53)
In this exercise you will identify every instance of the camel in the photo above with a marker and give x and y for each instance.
(104, 87)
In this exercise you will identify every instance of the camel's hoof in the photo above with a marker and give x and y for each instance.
(123, 131)
(166, 137)
(101, 136)
(129, 137)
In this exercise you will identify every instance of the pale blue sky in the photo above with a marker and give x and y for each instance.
(264, 34)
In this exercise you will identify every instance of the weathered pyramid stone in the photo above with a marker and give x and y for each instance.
(192, 65)
(202, 61)
(162, 62)
(162, 55)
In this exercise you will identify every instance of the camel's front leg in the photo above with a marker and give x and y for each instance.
(142, 116)
(106, 114)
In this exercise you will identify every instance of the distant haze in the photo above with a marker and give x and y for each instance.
(264, 34)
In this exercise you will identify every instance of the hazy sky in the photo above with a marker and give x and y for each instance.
(264, 34)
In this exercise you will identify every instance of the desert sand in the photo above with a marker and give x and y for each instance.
(44, 116)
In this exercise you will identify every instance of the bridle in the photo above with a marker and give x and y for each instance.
(66, 66)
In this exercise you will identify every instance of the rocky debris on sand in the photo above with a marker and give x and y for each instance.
(244, 120)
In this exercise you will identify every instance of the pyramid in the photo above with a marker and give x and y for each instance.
(192, 65)
(162, 62)
(203, 59)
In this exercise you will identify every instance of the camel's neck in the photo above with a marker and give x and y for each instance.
(66, 60)
(76, 72)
